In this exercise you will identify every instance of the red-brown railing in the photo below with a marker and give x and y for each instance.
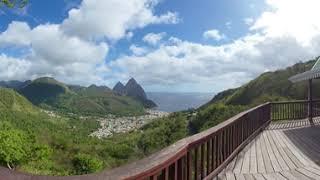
(200, 156)
(316, 108)
(293, 110)
(203, 155)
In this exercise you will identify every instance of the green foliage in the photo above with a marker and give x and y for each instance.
(162, 133)
(270, 86)
(54, 143)
(85, 164)
(213, 115)
(14, 147)
(14, 3)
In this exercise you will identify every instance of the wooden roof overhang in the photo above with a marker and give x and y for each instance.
(314, 73)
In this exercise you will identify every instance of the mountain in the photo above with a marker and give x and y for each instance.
(119, 88)
(134, 90)
(13, 102)
(44, 90)
(173, 102)
(96, 100)
(270, 86)
(14, 84)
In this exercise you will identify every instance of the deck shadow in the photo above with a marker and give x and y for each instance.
(307, 140)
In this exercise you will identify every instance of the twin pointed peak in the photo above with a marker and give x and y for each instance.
(132, 81)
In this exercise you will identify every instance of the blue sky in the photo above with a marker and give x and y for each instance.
(184, 46)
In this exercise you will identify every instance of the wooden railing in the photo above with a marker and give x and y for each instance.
(201, 156)
(292, 110)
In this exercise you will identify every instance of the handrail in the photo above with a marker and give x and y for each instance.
(294, 110)
(202, 155)
(295, 101)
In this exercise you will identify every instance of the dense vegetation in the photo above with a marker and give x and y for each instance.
(269, 86)
(37, 143)
(51, 94)
(34, 142)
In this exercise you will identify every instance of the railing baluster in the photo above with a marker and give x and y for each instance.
(213, 155)
(208, 156)
(189, 165)
(196, 163)
(202, 161)
(176, 170)
(166, 173)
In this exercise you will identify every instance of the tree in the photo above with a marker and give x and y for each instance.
(14, 3)
(85, 164)
(14, 147)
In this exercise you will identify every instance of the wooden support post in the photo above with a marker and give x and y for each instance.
(310, 99)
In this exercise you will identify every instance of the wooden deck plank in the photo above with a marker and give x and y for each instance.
(258, 177)
(308, 173)
(289, 176)
(283, 154)
(279, 176)
(246, 161)
(265, 155)
(313, 170)
(275, 149)
(307, 148)
(238, 164)
(230, 176)
(260, 161)
(240, 177)
(253, 159)
(231, 165)
(278, 154)
(298, 175)
(273, 159)
(304, 160)
(249, 177)
(269, 176)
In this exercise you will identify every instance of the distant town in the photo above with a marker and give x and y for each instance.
(112, 125)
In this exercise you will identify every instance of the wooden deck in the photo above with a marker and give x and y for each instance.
(284, 151)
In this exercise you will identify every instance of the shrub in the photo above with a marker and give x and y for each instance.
(84, 164)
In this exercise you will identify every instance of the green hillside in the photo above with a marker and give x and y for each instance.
(10, 100)
(270, 86)
(51, 94)
(33, 142)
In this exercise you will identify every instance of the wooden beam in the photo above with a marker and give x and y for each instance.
(310, 99)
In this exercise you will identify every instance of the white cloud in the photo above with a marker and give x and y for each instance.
(215, 67)
(213, 34)
(52, 52)
(75, 50)
(17, 33)
(278, 38)
(138, 51)
(113, 18)
(13, 68)
(153, 38)
(299, 19)
(248, 21)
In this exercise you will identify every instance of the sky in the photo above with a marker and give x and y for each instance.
(166, 45)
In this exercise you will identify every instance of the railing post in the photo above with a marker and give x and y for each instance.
(310, 114)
